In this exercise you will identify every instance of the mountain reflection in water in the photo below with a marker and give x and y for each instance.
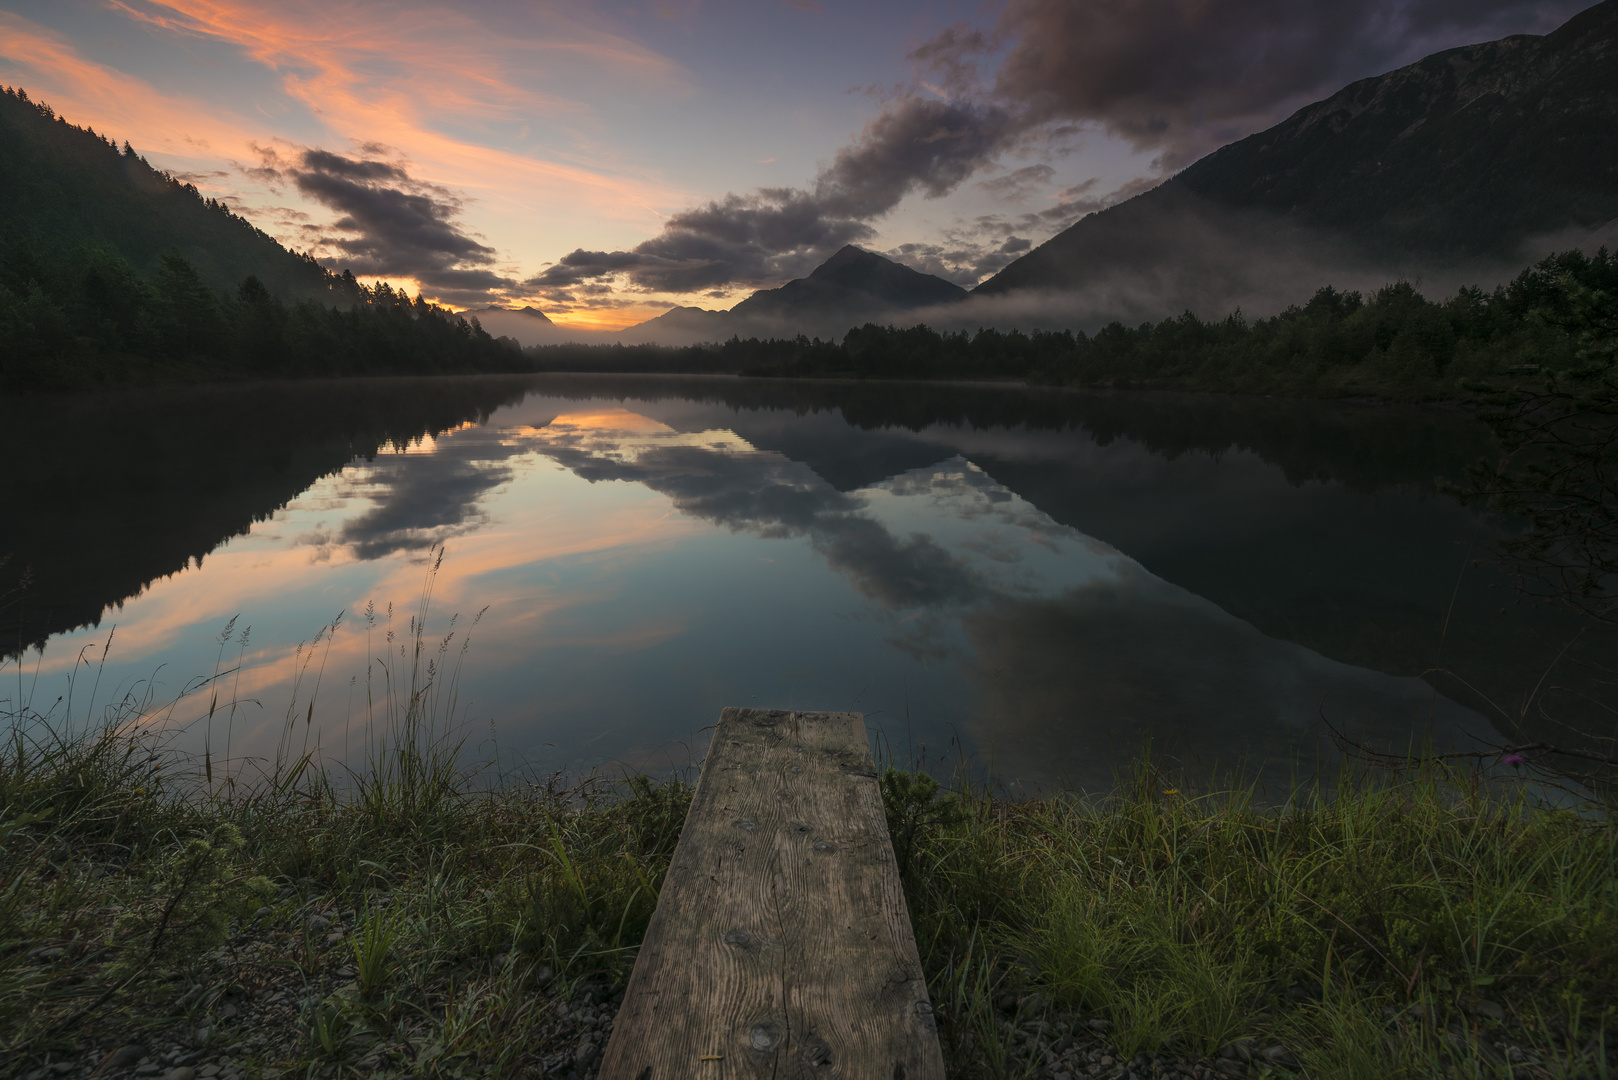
(1051, 580)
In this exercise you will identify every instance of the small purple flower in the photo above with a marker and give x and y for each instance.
(1513, 760)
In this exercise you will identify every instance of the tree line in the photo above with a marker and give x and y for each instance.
(1393, 341)
(85, 315)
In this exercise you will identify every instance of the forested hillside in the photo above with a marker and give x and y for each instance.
(111, 271)
(62, 185)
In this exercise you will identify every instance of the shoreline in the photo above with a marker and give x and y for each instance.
(414, 925)
(239, 380)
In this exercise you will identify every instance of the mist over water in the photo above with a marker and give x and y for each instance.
(1039, 584)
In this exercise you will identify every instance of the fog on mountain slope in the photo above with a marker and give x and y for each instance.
(1456, 170)
(525, 325)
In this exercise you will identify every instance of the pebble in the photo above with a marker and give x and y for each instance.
(208, 1071)
(182, 1072)
(317, 924)
(47, 954)
(125, 1056)
(148, 1069)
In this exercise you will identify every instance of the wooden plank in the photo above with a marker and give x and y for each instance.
(781, 946)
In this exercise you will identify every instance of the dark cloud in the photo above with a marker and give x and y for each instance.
(1171, 77)
(951, 56)
(390, 224)
(916, 144)
(1182, 79)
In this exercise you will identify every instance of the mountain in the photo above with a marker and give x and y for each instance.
(62, 185)
(852, 287)
(113, 273)
(850, 282)
(683, 326)
(1482, 156)
(527, 325)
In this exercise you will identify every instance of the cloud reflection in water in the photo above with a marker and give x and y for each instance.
(739, 575)
(1077, 654)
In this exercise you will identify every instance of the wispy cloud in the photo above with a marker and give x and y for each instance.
(114, 103)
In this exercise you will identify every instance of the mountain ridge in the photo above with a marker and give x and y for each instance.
(1464, 156)
(67, 185)
(850, 287)
(854, 280)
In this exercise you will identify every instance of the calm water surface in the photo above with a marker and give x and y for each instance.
(1042, 582)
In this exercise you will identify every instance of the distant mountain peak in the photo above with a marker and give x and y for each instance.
(852, 285)
(851, 256)
(525, 312)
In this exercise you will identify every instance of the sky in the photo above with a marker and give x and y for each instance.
(604, 161)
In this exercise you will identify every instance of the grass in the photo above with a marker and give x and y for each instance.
(412, 916)
(1395, 926)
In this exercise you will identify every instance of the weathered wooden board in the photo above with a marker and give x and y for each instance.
(781, 946)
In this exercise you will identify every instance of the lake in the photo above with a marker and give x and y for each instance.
(1035, 583)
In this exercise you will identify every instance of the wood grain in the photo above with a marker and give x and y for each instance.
(781, 946)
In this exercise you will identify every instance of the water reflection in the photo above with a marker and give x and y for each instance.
(1077, 656)
(1051, 580)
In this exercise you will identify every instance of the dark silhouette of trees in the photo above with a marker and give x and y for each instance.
(1558, 464)
(84, 316)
